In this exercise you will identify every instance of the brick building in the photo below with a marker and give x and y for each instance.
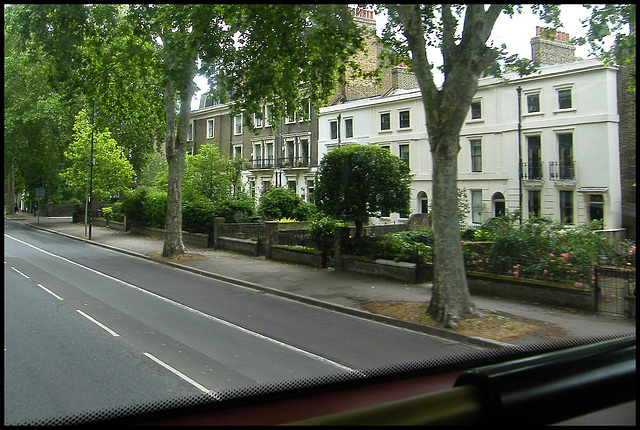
(287, 155)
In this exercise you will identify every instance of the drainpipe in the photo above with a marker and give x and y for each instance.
(519, 90)
(339, 116)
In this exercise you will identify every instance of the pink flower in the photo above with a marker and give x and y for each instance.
(551, 254)
(565, 255)
(578, 284)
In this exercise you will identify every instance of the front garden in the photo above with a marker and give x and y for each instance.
(536, 249)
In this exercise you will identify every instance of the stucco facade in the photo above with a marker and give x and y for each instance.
(568, 143)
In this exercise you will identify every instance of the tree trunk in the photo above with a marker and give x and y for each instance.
(445, 111)
(11, 194)
(450, 299)
(176, 155)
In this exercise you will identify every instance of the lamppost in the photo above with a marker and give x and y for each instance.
(519, 90)
(92, 161)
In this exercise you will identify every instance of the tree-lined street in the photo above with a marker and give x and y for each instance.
(218, 335)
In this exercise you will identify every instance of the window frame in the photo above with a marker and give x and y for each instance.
(566, 208)
(211, 129)
(257, 121)
(408, 119)
(476, 156)
(534, 204)
(477, 102)
(348, 129)
(333, 129)
(537, 96)
(560, 91)
(408, 153)
(386, 114)
(237, 124)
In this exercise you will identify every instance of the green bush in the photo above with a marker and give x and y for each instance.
(278, 203)
(155, 208)
(409, 246)
(133, 206)
(116, 212)
(237, 208)
(321, 231)
(306, 211)
(197, 215)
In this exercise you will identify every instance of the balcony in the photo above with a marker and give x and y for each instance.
(532, 171)
(283, 162)
(562, 170)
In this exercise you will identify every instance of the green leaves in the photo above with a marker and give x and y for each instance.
(112, 172)
(358, 181)
(284, 55)
(207, 174)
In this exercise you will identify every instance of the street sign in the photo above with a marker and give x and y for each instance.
(39, 192)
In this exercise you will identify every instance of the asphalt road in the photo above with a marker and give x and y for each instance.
(88, 328)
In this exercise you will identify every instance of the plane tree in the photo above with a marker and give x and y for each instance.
(461, 34)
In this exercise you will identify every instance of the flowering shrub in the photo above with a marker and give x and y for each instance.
(541, 249)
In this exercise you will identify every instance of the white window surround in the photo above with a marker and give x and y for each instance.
(237, 150)
(237, 124)
(210, 128)
(257, 121)
(400, 112)
(380, 129)
(267, 117)
(474, 102)
(564, 87)
(307, 110)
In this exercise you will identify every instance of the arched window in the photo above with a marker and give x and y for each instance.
(423, 202)
(499, 205)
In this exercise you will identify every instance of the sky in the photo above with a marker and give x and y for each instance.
(515, 33)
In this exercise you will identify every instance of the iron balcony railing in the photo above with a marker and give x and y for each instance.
(532, 171)
(282, 162)
(562, 170)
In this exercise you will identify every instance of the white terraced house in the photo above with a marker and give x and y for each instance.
(563, 164)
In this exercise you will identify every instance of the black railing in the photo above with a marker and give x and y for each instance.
(562, 170)
(284, 162)
(532, 171)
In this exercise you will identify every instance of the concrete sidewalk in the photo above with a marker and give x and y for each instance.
(344, 292)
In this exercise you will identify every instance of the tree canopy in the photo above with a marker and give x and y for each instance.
(355, 182)
(112, 172)
(617, 22)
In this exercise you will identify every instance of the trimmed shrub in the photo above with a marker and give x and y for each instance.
(278, 203)
(236, 208)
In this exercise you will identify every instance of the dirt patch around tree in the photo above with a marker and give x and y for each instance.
(178, 258)
(494, 325)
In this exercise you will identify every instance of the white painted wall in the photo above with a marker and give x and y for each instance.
(593, 121)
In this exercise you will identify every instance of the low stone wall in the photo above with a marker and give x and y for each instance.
(306, 257)
(241, 246)
(101, 222)
(199, 240)
(401, 271)
(542, 292)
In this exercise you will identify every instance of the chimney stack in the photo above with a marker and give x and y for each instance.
(549, 47)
